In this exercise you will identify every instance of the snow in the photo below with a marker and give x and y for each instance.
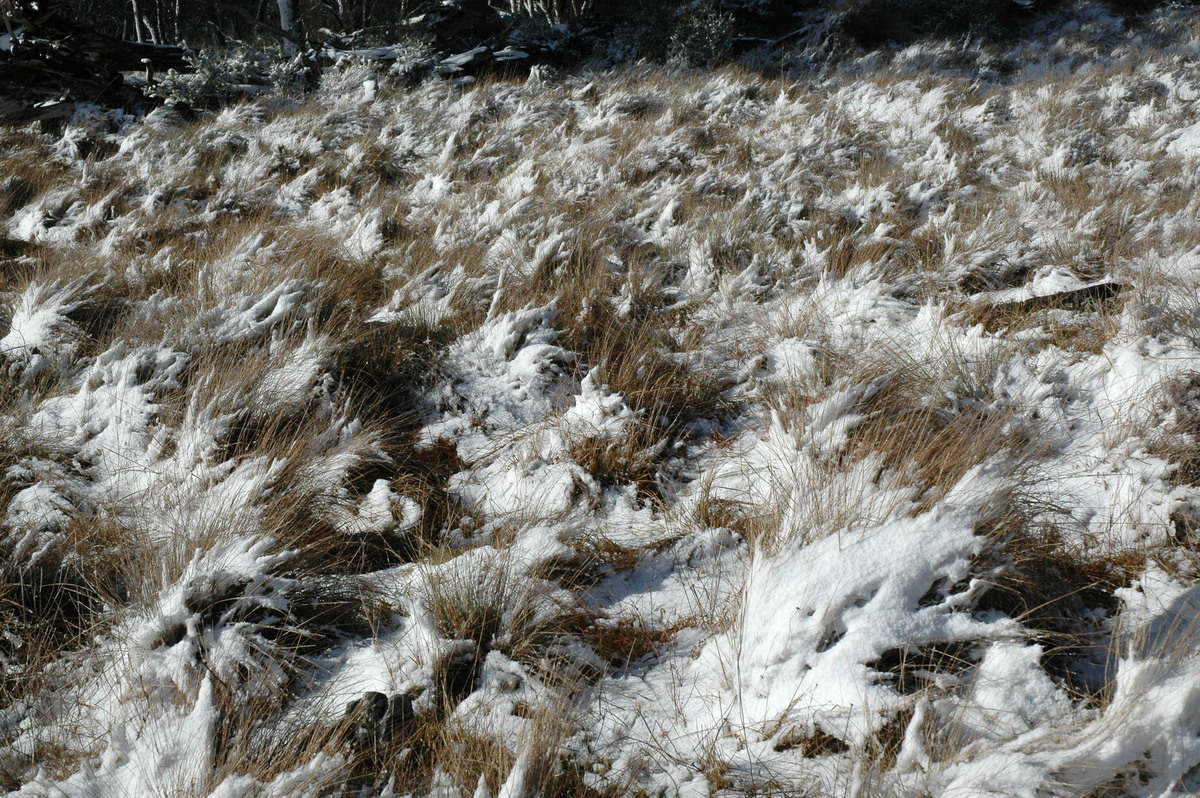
(742, 378)
(850, 601)
(1012, 694)
(1186, 143)
(1150, 718)
(41, 333)
(504, 376)
(298, 378)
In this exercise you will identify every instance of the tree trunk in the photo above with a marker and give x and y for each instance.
(150, 29)
(287, 21)
(137, 21)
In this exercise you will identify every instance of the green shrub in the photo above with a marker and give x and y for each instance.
(703, 36)
(876, 22)
(225, 75)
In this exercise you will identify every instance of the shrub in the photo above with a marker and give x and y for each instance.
(703, 36)
(225, 75)
(877, 22)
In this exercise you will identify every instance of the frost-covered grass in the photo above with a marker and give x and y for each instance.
(646, 432)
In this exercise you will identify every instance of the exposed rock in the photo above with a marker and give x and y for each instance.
(379, 720)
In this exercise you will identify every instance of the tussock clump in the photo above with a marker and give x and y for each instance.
(648, 430)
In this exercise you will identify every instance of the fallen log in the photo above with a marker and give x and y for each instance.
(998, 309)
(1082, 298)
(48, 63)
(14, 111)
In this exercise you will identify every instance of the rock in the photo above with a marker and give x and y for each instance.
(379, 721)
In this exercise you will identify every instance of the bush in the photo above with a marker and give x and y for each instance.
(703, 36)
(877, 22)
(225, 75)
(642, 28)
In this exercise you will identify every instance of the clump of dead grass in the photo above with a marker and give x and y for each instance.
(618, 312)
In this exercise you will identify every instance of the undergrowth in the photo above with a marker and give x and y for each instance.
(447, 441)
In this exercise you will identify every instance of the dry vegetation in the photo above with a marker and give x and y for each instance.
(462, 441)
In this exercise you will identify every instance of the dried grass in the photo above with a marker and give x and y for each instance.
(614, 280)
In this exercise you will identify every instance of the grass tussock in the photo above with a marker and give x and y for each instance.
(396, 437)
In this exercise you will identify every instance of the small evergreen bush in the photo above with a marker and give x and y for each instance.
(877, 22)
(224, 75)
(703, 36)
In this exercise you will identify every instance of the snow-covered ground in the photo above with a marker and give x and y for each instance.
(647, 432)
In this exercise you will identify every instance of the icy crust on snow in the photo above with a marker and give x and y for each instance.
(804, 599)
(850, 599)
(1152, 718)
(815, 621)
(41, 333)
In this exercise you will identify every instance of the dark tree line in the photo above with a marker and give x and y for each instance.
(217, 22)
(202, 23)
(64, 51)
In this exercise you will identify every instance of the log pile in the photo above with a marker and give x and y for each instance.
(49, 63)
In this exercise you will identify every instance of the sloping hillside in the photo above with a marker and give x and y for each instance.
(650, 431)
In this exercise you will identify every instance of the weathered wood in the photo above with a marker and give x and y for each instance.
(1084, 297)
(52, 62)
(18, 111)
